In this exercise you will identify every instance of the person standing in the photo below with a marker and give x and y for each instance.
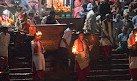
(90, 22)
(134, 20)
(50, 19)
(107, 37)
(38, 57)
(4, 43)
(104, 8)
(65, 46)
(132, 46)
(82, 59)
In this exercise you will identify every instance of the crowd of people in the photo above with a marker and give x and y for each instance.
(114, 20)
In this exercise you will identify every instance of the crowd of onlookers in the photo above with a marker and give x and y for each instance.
(123, 14)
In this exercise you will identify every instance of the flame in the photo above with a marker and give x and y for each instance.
(1, 72)
(38, 33)
(74, 49)
(136, 37)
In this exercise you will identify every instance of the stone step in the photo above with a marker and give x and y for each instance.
(20, 75)
(109, 72)
(109, 67)
(26, 79)
(20, 70)
(109, 77)
(120, 61)
(119, 56)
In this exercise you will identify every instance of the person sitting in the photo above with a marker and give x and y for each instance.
(134, 20)
(91, 4)
(83, 12)
(122, 38)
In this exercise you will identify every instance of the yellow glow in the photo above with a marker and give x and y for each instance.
(1, 72)
(136, 37)
(38, 33)
(74, 49)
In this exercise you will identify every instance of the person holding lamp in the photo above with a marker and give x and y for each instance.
(82, 63)
(38, 57)
(132, 45)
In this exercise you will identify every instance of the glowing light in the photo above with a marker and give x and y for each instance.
(74, 49)
(136, 37)
(38, 33)
(1, 72)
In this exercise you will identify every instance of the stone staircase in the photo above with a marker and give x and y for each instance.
(117, 69)
(21, 70)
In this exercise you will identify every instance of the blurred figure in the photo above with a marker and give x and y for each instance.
(115, 7)
(107, 40)
(117, 26)
(83, 12)
(82, 57)
(65, 47)
(132, 45)
(130, 12)
(122, 39)
(134, 4)
(91, 4)
(104, 8)
(38, 58)
(134, 20)
(78, 5)
(4, 43)
(50, 19)
(128, 23)
(90, 22)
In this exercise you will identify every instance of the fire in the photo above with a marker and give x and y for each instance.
(136, 37)
(38, 33)
(74, 49)
(1, 72)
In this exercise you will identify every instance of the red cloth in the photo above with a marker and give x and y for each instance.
(82, 74)
(133, 73)
(5, 59)
(80, 45)
(36, 47)
(106, 50)
(36, 73)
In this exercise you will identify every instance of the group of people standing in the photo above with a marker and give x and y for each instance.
(116, 22)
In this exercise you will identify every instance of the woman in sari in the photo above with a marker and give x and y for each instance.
(82, 64)
(78, 5)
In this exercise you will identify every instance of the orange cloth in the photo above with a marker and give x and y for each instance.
(80, 45)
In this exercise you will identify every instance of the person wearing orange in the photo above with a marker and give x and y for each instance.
(38, 58)
(82, 64)
(132, 45)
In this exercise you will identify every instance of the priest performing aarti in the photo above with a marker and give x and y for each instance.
(81, 50)
(38, 57)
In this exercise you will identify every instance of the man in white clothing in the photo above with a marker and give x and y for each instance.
(90, 22)
(4, 43)
(64, 47)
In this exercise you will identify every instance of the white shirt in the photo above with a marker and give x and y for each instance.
(4, 43)
(90, 23)
(67, 35)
